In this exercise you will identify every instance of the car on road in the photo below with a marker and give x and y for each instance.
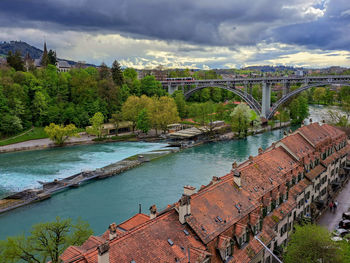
(344, 224)
(340, 232)
(346, 215)
(336, 239)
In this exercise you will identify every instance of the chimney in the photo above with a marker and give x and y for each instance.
(290, 131)
(237, 178)
(260, 150)
(236, 175)
(153, 212)
(103, 253)
(310, 120)
(273, 145)
(189, 190)
(285, 134)
(250, 158)
(112, 231)
(184, 208)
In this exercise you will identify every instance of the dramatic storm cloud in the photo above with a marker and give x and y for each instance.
(202, 33)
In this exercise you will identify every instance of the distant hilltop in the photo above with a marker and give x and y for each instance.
(268, 68)
(24, 48)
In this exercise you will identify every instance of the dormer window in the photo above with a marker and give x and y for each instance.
(293, 181)
(225, 247)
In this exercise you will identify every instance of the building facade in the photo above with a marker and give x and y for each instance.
(239, 217)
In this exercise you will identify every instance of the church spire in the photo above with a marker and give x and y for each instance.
(45, 57)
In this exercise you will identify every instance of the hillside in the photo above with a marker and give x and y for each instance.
(23, 47)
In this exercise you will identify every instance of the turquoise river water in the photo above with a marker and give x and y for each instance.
(117, 198)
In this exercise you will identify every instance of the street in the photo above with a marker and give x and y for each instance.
(330, 219)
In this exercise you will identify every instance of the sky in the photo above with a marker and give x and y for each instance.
(200, 34)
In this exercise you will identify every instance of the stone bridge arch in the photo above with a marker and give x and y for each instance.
(252, 103)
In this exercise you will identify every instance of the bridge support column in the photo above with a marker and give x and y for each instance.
(172, 89)
(285, 90)
(266, 99)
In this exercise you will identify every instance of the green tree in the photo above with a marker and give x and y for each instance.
(116, 119)
(59, 134)
(15, 60)
(143, 121)
(150, 87)
(319, 94)
(132, 107)
(299, 109)
(39, 107)
(46, 242)
(10, 124)
(180, 103)
(312, 244)
(96, 125)
(134, 85)
(163, 112)
(51, 56)
(240, 119)
(117, 74)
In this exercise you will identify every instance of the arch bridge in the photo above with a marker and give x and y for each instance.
(264, 109)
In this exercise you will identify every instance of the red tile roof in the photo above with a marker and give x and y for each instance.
(298, 145)
(134, 221)
(315, 133)
(160, 240)
(315, 172)
(221, 199)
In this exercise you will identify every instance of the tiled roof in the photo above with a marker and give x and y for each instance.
(222, 199)
(267, 171)
(315, 172)
(298, 145)
(134, 221)
(160, 240)
(315, 133)
(333, 131)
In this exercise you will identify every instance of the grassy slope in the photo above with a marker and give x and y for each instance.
(36, 133)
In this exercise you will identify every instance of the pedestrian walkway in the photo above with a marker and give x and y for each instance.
(330, 219)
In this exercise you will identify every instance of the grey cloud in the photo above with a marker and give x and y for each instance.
(220, 22)
(330, 32)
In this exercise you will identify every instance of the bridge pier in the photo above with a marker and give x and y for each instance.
(172, 89)
(266, 99)
(285, 89)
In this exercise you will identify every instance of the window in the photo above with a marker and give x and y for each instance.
(299, 177)
(264, 211)
(228, 251)
(273, 205)
(307, 195)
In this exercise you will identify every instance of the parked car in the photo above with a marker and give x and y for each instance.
(346, 215)
(344, 224)
(340, 232)
(336, 239)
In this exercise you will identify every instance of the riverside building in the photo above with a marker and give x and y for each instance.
(261, 198)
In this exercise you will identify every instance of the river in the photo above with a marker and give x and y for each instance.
(117, 198)
(158, 182)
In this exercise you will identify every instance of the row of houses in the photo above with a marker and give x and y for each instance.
(239, 217)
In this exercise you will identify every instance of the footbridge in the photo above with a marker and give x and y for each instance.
(264, 109)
